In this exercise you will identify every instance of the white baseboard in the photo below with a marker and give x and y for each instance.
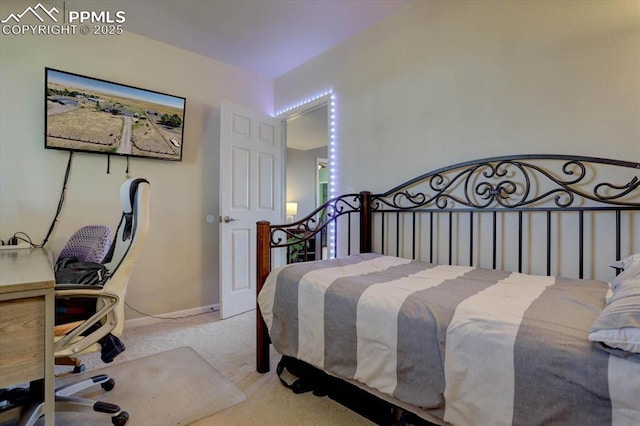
(136, 322)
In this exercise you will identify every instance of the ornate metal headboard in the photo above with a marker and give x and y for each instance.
(480, 197)
(428, 216)
(510, 182)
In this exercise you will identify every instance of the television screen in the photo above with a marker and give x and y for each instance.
(92, 115)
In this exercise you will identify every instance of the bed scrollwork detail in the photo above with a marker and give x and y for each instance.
(512, 183)
(292, 233)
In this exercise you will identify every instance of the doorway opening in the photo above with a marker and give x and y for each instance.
(310, 163)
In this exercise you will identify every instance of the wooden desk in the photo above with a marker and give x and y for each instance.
(26, 321)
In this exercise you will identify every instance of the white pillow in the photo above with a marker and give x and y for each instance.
(626, 339)
(617, 328)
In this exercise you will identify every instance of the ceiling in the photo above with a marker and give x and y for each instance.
(266, 37)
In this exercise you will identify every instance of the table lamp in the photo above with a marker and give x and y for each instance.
(292, 210)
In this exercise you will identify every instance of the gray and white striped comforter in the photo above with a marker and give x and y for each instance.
(471, 346)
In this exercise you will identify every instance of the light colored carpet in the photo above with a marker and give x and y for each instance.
(229, 347)
(174, 387)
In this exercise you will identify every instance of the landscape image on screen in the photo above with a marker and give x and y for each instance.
(92, 115)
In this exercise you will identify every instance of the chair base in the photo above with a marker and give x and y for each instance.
(65, 402)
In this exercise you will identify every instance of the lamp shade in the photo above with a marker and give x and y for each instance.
(292, 208)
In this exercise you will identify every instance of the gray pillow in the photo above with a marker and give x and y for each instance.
(617, 328)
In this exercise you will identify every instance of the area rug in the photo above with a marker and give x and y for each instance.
(175, 387)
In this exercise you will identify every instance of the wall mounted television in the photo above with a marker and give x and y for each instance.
(92, 115)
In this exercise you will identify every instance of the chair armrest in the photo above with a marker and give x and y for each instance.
(81, 291)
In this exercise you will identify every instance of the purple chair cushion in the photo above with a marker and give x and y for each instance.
(88, 244)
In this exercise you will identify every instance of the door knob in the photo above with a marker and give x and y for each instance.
(227, 219)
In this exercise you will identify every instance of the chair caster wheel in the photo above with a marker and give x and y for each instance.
(78, 369)
(108, 385)
(121, 419)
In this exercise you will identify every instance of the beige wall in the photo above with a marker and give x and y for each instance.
(443, 82)
(178, 269)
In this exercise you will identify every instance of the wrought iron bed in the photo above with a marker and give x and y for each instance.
(535, 214)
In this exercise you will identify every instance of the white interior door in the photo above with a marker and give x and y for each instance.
(251, 177)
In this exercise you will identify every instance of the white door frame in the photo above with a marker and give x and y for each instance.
(328, 97)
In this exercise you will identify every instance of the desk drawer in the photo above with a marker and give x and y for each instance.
(22, 337)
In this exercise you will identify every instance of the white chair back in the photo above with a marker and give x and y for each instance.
(127, 243)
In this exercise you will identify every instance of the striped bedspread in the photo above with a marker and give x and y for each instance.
(471, 346)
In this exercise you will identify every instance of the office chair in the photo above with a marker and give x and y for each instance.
(109, 316)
